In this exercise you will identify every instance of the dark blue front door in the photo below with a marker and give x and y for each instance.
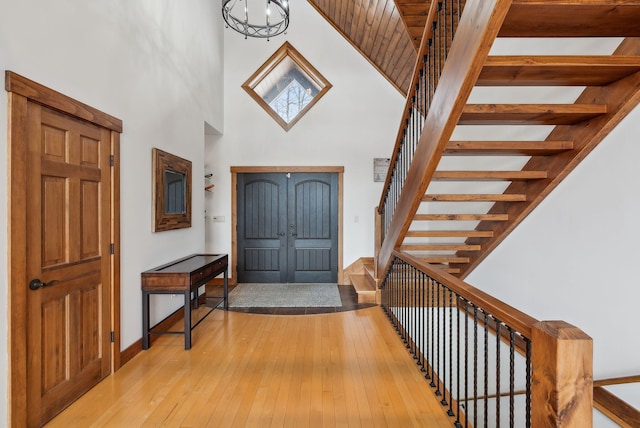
(287, 227)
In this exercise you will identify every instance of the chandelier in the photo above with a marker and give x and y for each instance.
(273, 13)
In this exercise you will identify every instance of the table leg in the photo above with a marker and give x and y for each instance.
(226, 291)
(145, 320)
(187, 320)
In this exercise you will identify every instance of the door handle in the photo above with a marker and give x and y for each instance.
(36, 283)
(280, 234)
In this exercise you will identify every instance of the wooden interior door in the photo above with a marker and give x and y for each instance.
(287, 227)
(68, 215)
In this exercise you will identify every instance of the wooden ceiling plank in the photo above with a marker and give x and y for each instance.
(374, 28)
(403, 71)
(350, 16)
(348, 35)
(390, 18)
(361, 25)
(506, 148)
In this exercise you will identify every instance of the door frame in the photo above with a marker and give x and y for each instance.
(235, 170)
(21, 91)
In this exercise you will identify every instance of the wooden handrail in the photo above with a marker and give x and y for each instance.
(615, 408)
(509, 315)
(617, 380)
(478, 27)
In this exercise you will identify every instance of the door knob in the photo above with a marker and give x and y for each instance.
(36, 283)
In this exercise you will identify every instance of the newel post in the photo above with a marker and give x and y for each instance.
(562, 379)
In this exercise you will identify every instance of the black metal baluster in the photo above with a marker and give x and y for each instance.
(528, 382)
(428, 361)
(466, 363)
(486, 368)
(475, 366)
(414, 305)
(421, 330)
(458, 300)
(445, 35)
(433, 334)
(511, 377)
(498, 342)
(450, 411)
(437, 369)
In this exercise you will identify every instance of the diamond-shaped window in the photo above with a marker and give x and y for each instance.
(286, 86)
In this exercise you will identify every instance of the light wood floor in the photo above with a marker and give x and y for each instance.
(340, 369)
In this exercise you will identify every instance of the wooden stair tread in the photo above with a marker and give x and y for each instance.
(507, 148)
(457, 197)
(568, 18)
(556, 70)
(440, 247)
(461, 217)
(364, 289)
(488, 175)
(446, 268)
(443, 258)
(449, 233)
(529, 114)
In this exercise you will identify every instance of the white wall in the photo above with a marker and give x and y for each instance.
(155, 64)
(354, 122)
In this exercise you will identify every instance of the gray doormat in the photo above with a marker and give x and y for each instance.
(284, 296)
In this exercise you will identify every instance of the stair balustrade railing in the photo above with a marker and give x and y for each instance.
(442, 23)
(488, 363)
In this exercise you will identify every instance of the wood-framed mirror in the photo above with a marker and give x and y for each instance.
(171, 191)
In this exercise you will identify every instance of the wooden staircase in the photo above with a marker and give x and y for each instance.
(365, 284)
(503, 159)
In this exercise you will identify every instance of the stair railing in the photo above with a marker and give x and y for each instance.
(454, 47)
(490, 364)
(442, 23)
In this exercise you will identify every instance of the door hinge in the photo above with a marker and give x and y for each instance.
(112, 249)
(111, 160)
(112, 337)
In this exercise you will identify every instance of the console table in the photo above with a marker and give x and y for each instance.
(182, 276)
